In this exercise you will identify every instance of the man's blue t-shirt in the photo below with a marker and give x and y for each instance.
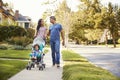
(55, 32)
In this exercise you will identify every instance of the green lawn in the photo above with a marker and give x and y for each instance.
(15, 54)
(78, 68)
(9, 68)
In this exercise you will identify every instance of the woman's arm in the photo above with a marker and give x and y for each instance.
(45, 33)
(36, 33)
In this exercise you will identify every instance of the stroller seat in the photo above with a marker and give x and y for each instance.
(39, 60)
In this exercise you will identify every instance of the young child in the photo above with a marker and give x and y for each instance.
(36, 52)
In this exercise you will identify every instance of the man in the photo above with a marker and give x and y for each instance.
(54, 31)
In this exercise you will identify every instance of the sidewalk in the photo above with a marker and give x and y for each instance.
(49, 73)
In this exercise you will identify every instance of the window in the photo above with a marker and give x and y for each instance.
(26, 25)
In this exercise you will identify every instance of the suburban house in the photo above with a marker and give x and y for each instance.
(23, 21)
(6, 14)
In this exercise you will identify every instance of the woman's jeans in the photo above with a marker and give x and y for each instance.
(55, 48)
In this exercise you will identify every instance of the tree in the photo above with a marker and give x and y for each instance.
(110, 23)
(63, 16)
(101, 18)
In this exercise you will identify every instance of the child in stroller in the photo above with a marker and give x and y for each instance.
(36, 57)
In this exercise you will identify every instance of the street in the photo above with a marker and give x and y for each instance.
(107, 58)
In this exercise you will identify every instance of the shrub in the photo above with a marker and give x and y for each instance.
(17, 47)
(22, 41)
(3, 47)
(7, 32)
(30, 32)
(19, 31)
(119, 40)
(3, 32)
(28, 47)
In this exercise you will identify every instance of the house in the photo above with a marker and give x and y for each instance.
(105, 36)
(21, 20)
(6, 14)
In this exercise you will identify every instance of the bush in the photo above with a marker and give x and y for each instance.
(3, 32)
(30, 32)
(28, 47)
(19, 47)
(22, 41)
(7, 32)
(19, 31)
(119, 41)
(3, 47)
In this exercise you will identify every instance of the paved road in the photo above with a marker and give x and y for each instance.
(49, 73)
(107, 58)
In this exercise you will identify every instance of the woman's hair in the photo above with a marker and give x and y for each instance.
(39, 24)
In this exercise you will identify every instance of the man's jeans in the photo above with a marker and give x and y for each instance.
(55, 48)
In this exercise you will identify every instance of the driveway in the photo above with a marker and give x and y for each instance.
(107, 58)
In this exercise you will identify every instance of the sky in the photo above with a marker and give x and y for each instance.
(35, 9)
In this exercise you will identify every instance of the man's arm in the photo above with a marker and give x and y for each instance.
(48, 33)
(63, 37)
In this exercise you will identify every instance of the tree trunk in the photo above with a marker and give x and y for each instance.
(106, 42)
(114, 43)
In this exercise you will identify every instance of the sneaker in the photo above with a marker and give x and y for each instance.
(53, 64)
(58, 65)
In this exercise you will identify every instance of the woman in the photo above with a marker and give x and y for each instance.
(41, 30)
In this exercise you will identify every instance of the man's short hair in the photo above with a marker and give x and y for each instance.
(53, 17)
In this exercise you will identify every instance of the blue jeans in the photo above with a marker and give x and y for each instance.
(55, 48)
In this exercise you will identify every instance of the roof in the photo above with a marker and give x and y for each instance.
(22, 18)
(6, 12)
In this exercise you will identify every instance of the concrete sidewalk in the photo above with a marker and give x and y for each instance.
(49, 73)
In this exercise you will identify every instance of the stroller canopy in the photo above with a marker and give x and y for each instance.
(39, 41)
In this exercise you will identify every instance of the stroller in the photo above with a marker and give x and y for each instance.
(36, 57)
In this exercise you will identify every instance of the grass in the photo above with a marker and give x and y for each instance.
(16, 54)
(9, 68)
(78, 68)
(70, 56)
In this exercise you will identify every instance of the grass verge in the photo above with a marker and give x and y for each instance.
(9, 68)
(78, 68)
(16, 54)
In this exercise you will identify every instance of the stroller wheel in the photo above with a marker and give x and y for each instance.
(40, 68)
(27, 67)
(32, 65)
(43, 65)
